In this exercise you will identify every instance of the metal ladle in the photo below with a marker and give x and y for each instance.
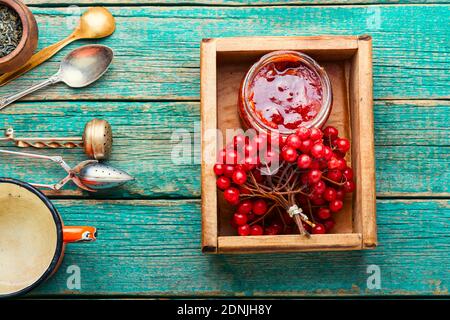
(88, 175)
(80, 68)
(96, 140)
(95, 23)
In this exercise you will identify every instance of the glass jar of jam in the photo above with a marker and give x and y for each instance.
(283, 91)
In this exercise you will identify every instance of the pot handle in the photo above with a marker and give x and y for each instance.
(79, 234)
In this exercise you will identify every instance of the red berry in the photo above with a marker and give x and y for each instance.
(315, 165)
(339, 154)
(223, 183)
(249, 164)
(270, 231)
(343, 145)
(330, 132)
(334, 175)
(319, 229)
(289, 154)
(340, 194)
(336, 205)
(239, 140)
(304, 161)
(293, 141)
(222, 156)
(277, 226)
(256, 230)
(250, 150)
(316, 199)
(219, 169)
(240, 219)
(319, 187)
(316, 134)
(327, 153)
(329, 194)
(314, 176)
(228, 170)
(232, 157)
(261, 141)
(245, 207)
(239, 176)
(231, 195)
(244, 230)
(303, 133)
(323, 213)
(317, 150)
(341, 164)
(348, 186)
(257, 175)
(348, 173)
(322, 164)
(306, 145)
(329, 224)
(260, 207)
(333, 163)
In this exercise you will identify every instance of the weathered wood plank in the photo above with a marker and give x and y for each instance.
(230, 2)
(412, 147)
(152, 248)
(156, 60)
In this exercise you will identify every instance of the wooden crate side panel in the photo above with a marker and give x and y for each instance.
(209, 124)
(290, 243)
(366, 144)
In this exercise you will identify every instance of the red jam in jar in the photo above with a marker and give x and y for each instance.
(285, 90)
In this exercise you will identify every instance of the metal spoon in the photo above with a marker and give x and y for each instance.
(96, 22)
(79, 68)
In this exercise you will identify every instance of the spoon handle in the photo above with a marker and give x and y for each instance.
(4, 102)
(37, 59)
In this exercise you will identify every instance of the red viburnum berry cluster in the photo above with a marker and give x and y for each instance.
(311, 173)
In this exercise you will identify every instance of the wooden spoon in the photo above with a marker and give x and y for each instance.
(96, 22)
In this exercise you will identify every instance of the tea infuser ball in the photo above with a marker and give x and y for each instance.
(97, 139)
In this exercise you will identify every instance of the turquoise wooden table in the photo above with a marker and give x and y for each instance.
(149, 231)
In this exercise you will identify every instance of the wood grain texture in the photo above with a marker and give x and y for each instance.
(411, 145)
(229, 2)
(363, 150)
(208, 118)
(154, 62)
(152, 248)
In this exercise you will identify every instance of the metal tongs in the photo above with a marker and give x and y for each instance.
(89, 175)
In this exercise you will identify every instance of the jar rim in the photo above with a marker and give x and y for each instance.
(319, 120)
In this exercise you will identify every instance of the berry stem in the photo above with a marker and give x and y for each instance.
(332, 181)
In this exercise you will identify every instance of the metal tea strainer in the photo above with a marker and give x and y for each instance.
(96, 140)
(89, 175)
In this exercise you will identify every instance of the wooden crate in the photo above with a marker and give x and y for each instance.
(348, 62)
